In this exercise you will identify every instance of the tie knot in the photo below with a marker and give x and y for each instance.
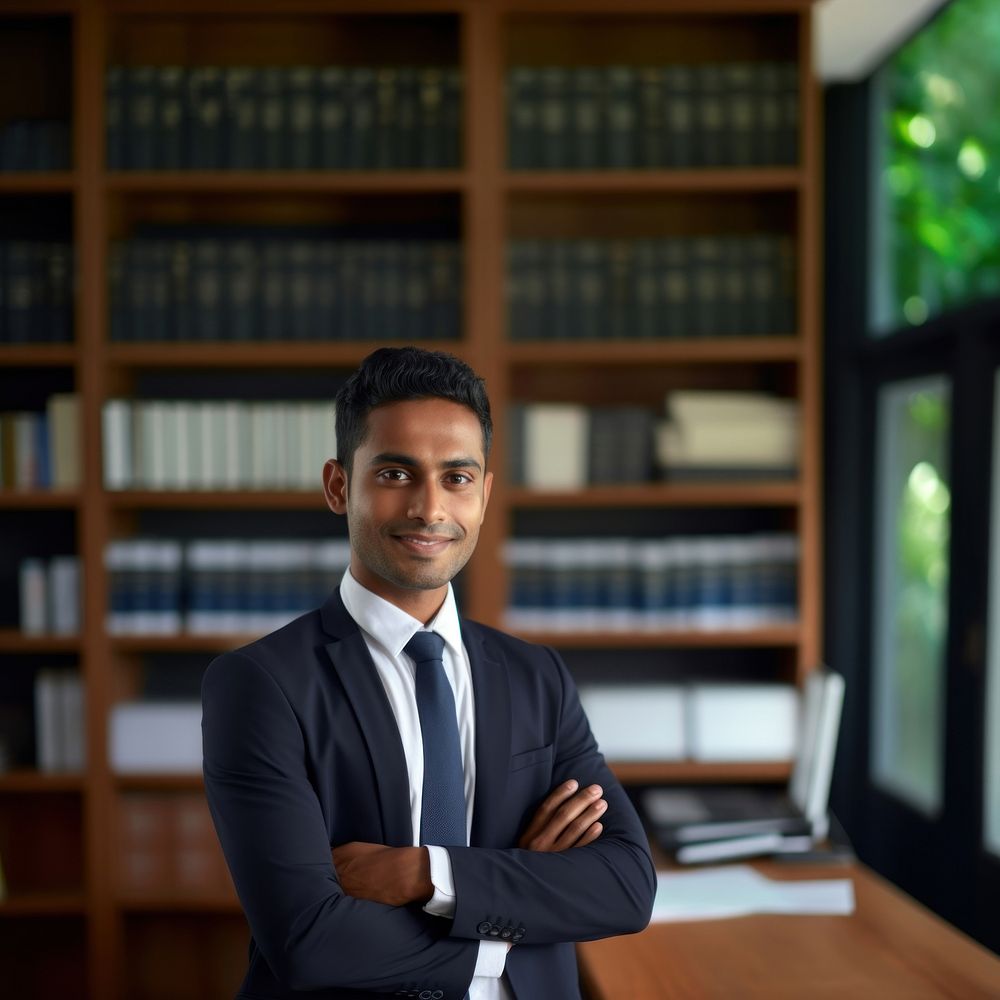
(425, 646)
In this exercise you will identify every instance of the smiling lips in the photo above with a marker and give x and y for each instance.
(424, 544)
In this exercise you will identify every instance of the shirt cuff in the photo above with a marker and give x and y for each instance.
(442, 903)
(492, 959)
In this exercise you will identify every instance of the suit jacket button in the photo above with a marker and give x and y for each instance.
(494, 930)
(437, 995)
(426, 995)
(506, 932)
(484, 927)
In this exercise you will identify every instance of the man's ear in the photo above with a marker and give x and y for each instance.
(335, 486)
(487, 489)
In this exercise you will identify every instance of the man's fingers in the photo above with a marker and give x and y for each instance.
(574, 832)
(563, 827)
(552, 802)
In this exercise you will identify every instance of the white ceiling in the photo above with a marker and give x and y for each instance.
(851, 37)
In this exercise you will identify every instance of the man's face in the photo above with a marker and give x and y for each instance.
(416, 499)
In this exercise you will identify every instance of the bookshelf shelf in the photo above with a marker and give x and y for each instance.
(690, 771)
(44, 904)
(38, 781)
(253, 354)
(15, 641)
(652, 181)
(709, 351)
(180, 904)
(730, 494)
(38, 182)
(291, 182)
(225, 500)
(159, 782)
(38, 355)
(178, 643)
(778, 636)
(34, 499)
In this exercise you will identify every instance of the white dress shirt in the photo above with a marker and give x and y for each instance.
(386, 630)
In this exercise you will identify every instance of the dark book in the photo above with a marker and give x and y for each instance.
(301, 289)
(391, 255)
(272, 118)
(386, 145)
(274, 290)
(650, 113)
(332, 117)
(120, 327)
(620, 298)
(761, 285)
(115, 117)
(59, 292)
(207, 280)
(788, 119)
(733, 300)
(241, 285)
(603, 447)
(181, 291)
(635, 427)
(554, 118)
(769, 113)
(351, 266)
(590, 273)
(416, 291)
(452, 110)
(373, 291)
(20, 291)
(706, 286)
(4, 337)
(675, 283)
(157, 323)
(515, 443)
(327, 291)
(240, 117)
(562, 313)
(588, 119)
(523, 117)
(646, 316)
(622, 117)
(302, 118)
(710, 118)
(140, 153)
(361, 118)
(431, 139)
(741, 106)
(407, 117)
(138, 288)
(445, 289)
(678, 116)
(785, 320)
(171, 118)
(520, 314)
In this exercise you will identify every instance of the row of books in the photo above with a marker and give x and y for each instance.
(565, 446)
(691, 582)
(274, 288)
(701, 722)
(35, 144)
(165, 843)
(49, 596)
(283, 117)
(216, 444)
(710, 115)
(36, 291)
(59, 719)
(704, 286)
(41, 450)
(218, 586)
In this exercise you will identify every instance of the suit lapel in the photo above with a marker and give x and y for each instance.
(353, 665)
(491, 685)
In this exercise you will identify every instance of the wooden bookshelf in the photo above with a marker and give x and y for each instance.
(113, 947)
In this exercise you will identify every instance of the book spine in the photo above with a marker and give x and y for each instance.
(554, 118)
(171, 141)
(141, 117)
(272, 118)
(523, 118)
(622, 117)
(386, 119)
(407, 112)
(302, 132)
(650, 115)
(588, 125)
(332, 116)
(361, 118)
(678, 116)
(240, 117)
(115, 117)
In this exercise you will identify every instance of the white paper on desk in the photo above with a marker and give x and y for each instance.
(739, 890)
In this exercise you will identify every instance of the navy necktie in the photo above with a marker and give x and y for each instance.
(442, 813)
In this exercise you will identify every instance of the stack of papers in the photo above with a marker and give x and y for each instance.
(739, 890)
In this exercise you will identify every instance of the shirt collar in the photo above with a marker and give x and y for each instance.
(390, 626)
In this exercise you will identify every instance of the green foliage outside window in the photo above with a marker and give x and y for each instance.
(941, 182)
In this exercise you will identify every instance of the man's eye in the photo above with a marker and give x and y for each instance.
(459, 479)
(394, 475)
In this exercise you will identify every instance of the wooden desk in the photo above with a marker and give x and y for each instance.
(891, 947)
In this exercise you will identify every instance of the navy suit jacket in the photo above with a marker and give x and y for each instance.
(301, 752)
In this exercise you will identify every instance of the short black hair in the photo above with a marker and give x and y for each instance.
(395, 374)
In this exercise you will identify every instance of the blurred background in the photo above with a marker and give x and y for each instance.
(731, 272)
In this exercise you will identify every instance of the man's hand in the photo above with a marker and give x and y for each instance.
(391, 875)
(567, 818)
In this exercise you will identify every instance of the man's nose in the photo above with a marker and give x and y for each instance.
(427, 503)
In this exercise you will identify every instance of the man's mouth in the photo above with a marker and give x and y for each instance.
(425, 544)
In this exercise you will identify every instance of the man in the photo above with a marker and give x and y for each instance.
(475, 829)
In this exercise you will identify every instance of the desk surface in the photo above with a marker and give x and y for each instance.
(891, 947)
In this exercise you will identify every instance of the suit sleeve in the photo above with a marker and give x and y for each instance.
(275, 840)
(600, 890)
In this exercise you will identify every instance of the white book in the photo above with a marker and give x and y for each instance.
(634, 722)
(73, 720)
(143, 432)
(278, 439)
(64, 595)
(48, 720)
(183, 416)
(155, 737)
(231, 432)
(259, 459)
(203, 446)
(696, 406)
(555, 442)
(742, 722)
(156, 445)
(33, 586)
(64, 439)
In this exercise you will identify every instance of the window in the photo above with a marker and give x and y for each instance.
(912, 530)
(937, 182)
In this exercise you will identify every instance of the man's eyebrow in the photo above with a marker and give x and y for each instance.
(397, 458)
